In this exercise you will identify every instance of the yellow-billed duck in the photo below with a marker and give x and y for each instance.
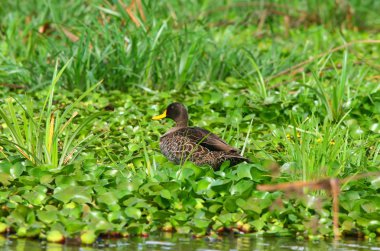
(200, 146)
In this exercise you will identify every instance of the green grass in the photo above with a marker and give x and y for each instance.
(171, 49)
(297, 89)
(48, 137)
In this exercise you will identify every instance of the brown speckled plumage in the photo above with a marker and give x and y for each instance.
(182, 143)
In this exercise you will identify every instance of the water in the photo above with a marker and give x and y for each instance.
(183, 243)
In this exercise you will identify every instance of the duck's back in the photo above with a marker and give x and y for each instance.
(199, 146)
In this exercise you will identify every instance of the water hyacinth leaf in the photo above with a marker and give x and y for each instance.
(198, 170)
(34, 230)
(228, 219)
(203, 185)
(375, 128)
(201, 223)
(361, 221)
(374, 225)
(108, 198)
(352, 195)
(115, 217)
(16, 198)
(134, 184)
(163, 203)
(21, 232)
(171, 186)
(185, 173)
(35, 198)
(244, 171)
(165, 194)
(215, 208)
(101, 225)
(47, 216)
(3, 227)
(133, 212)
(5, 167)
(252, 204)
(230, 204)
(152, 188)
(241, 187)
(135, 228)
(181, 216)
(375, 183)
(65, 181)
(258, 224)
(183, 229)
(348, 225)
(16, 170)
(77, 194)
(54, 236)
(370, 207)
(4, 196)
(88, 237)
(72, 225)
(46, 179)
(220, 185)
(161, 214)
(5, 179)
(132, 201)
(143, 204)
(28, 180)
(37, 172)
(31, 217)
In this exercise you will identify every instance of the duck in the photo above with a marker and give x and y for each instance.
(200, 146)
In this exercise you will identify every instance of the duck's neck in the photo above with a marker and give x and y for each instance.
(178, 126)
(182, 120)
(181, 123)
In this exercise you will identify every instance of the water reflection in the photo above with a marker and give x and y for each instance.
(177, 242)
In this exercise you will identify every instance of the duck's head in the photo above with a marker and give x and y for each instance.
(177, 112)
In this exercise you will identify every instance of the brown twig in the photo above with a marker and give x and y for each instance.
(71, 36)
(13, 86)
(330, 184)
(334, 184)
(293, 186)
(130, 9)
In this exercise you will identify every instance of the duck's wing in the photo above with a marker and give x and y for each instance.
(207, 139)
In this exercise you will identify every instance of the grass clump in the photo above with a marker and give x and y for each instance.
(47, 137)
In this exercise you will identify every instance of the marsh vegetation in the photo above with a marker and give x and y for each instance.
(294, 85)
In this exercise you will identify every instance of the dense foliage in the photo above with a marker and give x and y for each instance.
(79, 158)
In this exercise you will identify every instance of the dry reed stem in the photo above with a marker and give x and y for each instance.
(330, 184)
(298, 67)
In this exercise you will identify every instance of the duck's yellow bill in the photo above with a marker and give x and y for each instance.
(163, 115)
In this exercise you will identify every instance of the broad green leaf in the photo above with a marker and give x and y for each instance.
(244, 171)
(375, 183)
(16, 170)
(165, 194)
(220, 185)
(35, 198)
(181, 216)
(108, 198)
(201, 223)
(230, 204)
(370, 207)
(203, 185)
(65, 181)
(241, 186)
(133, 212)
(74, 193)
(47, 216)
